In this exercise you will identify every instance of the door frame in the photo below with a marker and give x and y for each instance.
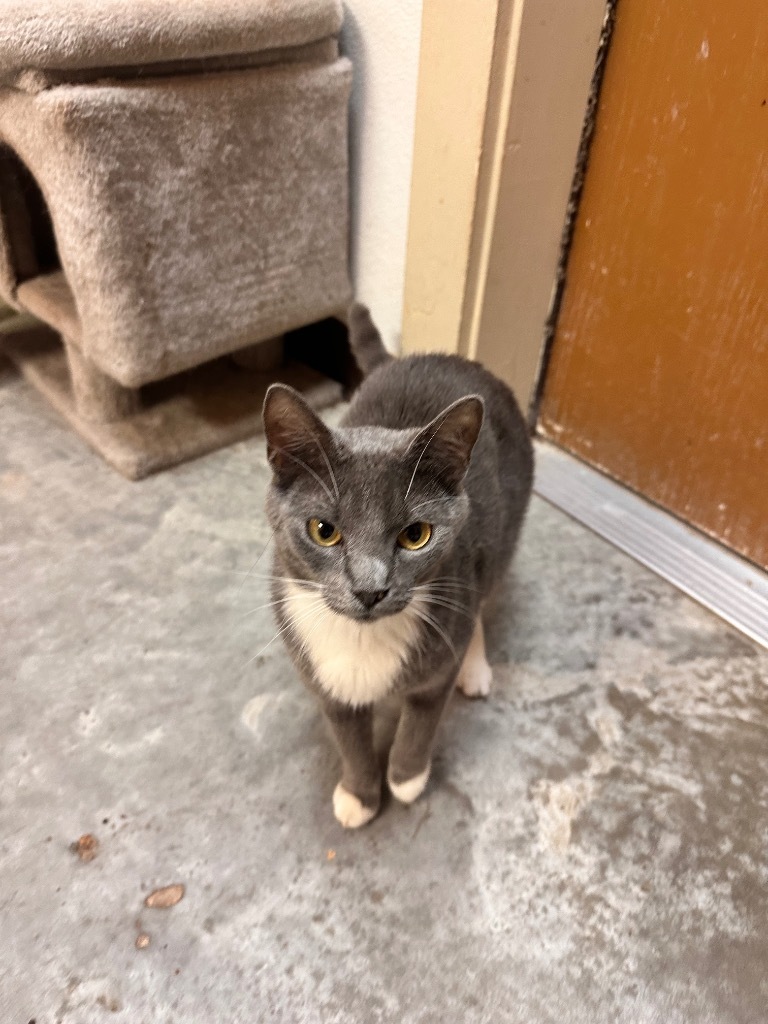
(508, 88)
(502, 93)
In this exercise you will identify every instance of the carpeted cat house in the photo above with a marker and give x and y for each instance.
(173, 190)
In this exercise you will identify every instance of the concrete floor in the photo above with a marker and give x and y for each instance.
(592, 847)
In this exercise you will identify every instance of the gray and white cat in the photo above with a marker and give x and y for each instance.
(390, 533)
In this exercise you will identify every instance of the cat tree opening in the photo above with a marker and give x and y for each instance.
(31, 248)
(40, 286)
(26, 220)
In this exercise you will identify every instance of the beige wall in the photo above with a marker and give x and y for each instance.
(382, 39)
(487, 214)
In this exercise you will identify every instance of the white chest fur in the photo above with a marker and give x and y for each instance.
(355, 662)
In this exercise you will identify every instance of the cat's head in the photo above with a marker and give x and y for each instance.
(367, 512)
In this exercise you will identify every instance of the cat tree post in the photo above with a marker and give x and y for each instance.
(98, 397)
(173, 190)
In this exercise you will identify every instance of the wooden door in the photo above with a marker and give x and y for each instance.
(659, 369)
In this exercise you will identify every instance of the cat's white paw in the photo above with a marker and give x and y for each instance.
(474, 679)
(407, 792)
(349, 811)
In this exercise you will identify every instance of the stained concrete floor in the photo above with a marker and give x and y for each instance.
(592, 847)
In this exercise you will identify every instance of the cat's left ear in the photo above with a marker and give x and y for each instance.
(297, 439)
(445, 445)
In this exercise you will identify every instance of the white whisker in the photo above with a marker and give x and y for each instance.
(452, 606)
(278, 601)
(464, 600)
(418, 461)
(291, 622)
(305, 640)
(287, 579)
(449, 579)
(426, 617)
(271, 538)
(429, 504)
(309, 469)
(445, 583)
(330, 468)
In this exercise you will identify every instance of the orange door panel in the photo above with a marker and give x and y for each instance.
(659, 369)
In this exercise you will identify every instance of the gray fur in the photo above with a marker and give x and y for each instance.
(368, 348)
(410, 448)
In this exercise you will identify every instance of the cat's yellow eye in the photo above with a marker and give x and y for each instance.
(323, 533)
(415, 536)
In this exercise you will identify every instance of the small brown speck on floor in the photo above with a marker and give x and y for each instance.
(86, 847)
(142, 941)
(113, 1005)
(166, 897)
(331, 854)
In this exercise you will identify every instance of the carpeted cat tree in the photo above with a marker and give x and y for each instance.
(173, 189)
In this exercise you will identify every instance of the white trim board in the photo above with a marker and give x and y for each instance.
(715, 577)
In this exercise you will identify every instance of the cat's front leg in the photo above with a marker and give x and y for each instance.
(475, 674)
(357, 796)
(410, 758)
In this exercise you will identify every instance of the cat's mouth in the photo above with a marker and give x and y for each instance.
(359, 611)
(373, 615)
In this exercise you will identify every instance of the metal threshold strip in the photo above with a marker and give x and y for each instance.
(715, 577)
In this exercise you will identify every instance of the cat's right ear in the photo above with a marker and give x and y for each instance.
(444, 446)
(297, 439)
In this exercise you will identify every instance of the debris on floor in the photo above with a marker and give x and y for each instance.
(166, 897)
(142, 941)
(86, 847)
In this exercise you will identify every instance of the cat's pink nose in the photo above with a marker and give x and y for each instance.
(370, 597)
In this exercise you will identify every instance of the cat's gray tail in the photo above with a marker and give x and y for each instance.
(365, 340)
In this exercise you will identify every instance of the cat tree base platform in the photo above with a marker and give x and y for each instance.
(179, 418)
